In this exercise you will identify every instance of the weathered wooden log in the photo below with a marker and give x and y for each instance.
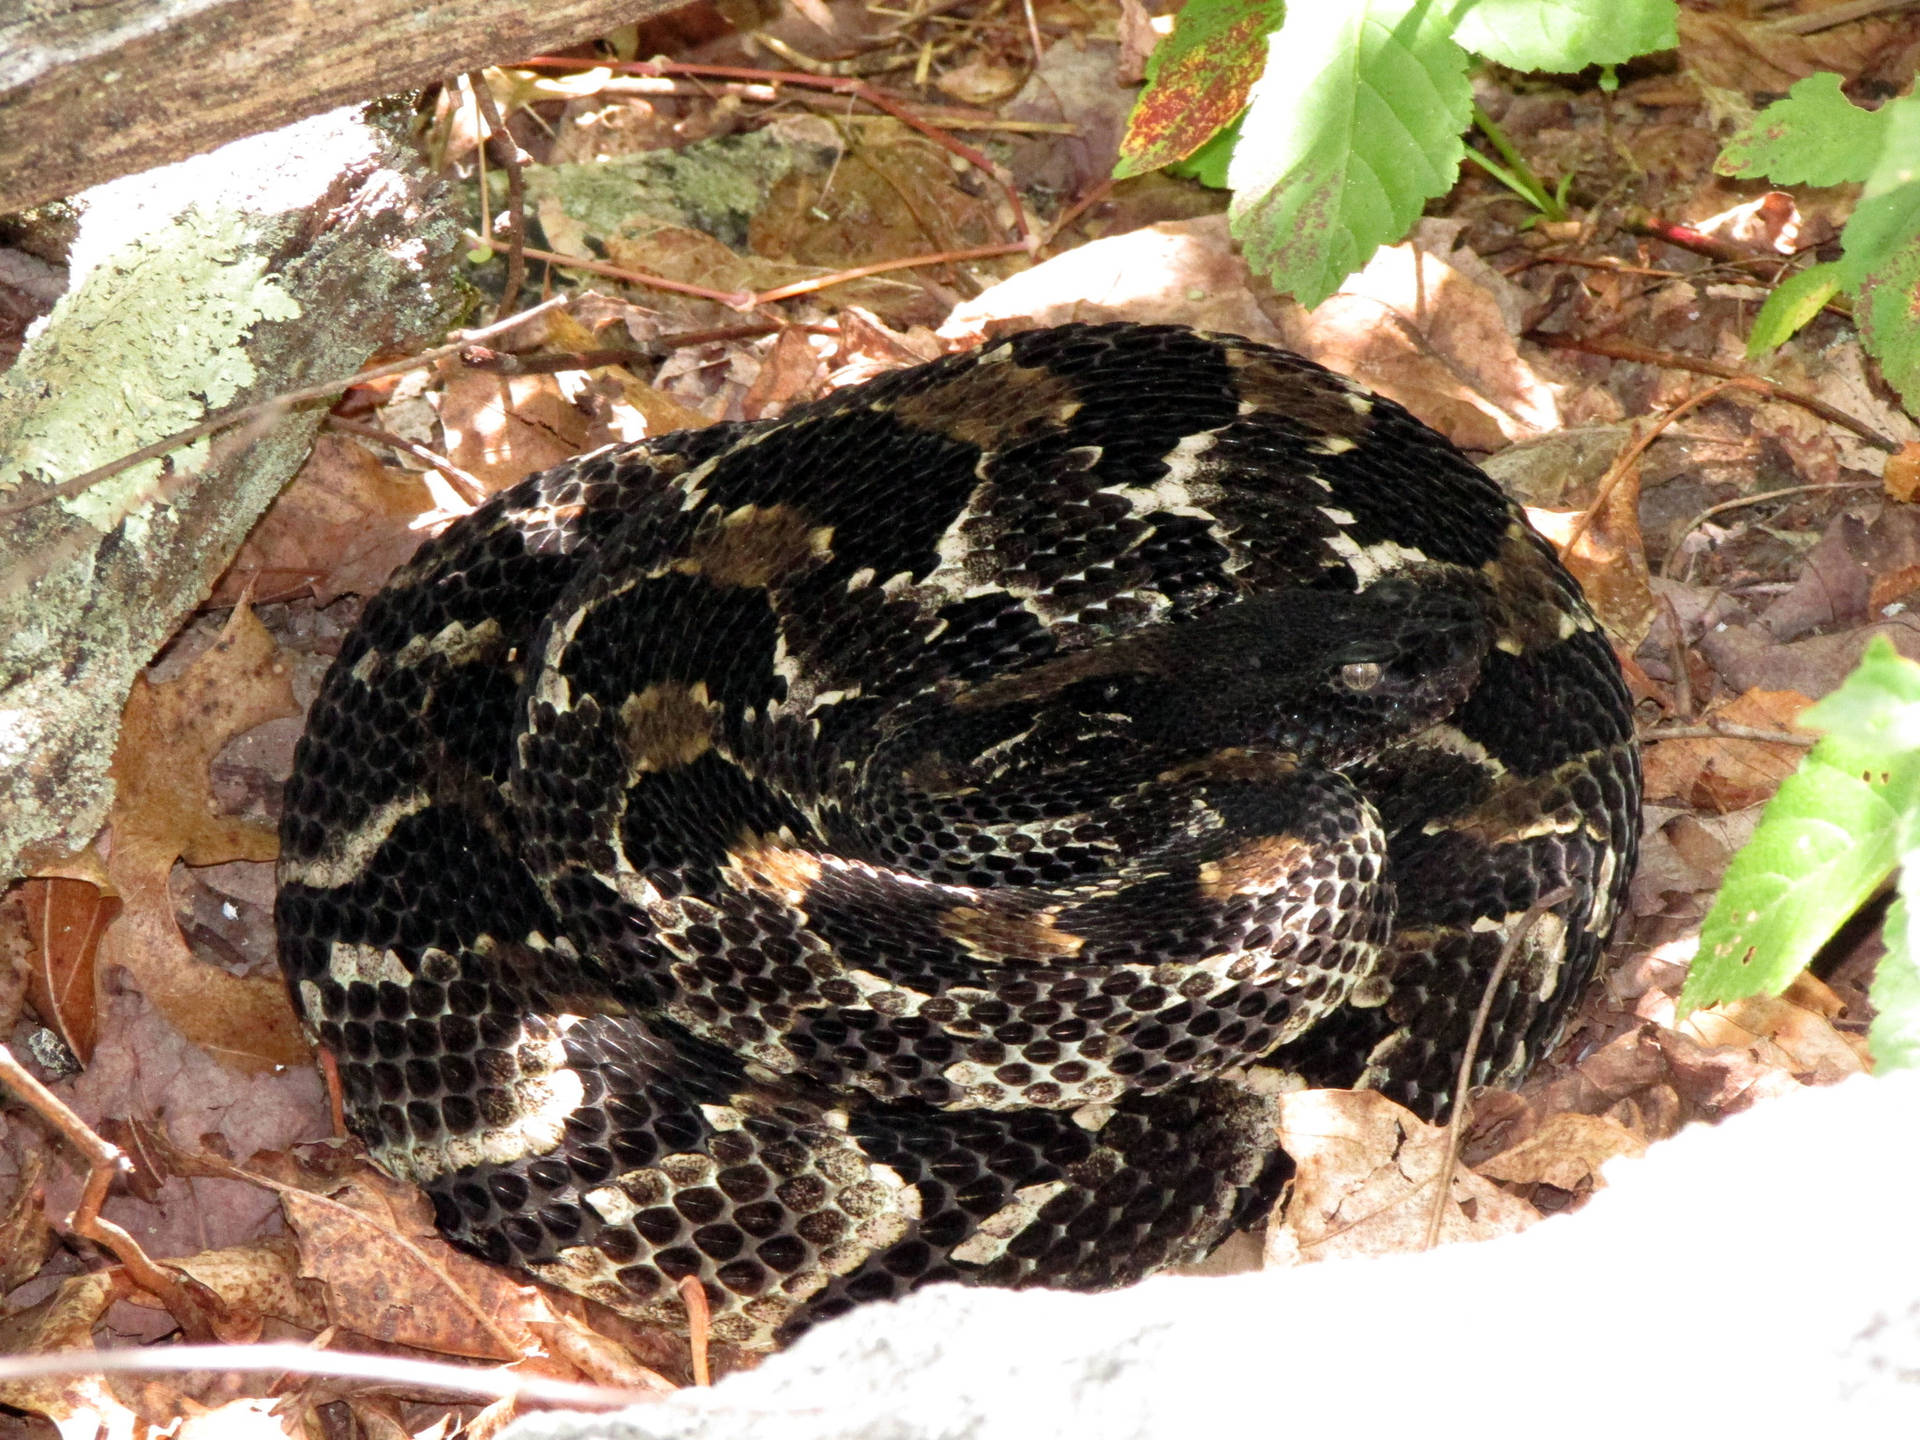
(270, 264)
(89, 92)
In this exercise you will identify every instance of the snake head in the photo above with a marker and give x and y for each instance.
(1325, 675)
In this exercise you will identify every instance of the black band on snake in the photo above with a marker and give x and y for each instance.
(913, 839)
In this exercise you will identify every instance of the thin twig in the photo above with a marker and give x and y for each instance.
(510, 159)
(744, 300)
(1834, 15)
(693, 1294)
(1668, 566)
(881, 267)
(272, 408)
(1624, 461)
(505, 362)
(1598, 262)
(1463, 1083)
(467, 484)
(340, 1365)
(105, 1161)
(1033, 31)
(1078, 208)
(734, 299)
(1667, 360)
(1725, 730)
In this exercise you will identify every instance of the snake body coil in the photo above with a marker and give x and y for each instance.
(891, 843)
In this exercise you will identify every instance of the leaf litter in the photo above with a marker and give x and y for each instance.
(1559, 348)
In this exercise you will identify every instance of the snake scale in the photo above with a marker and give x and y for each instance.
(914, 839)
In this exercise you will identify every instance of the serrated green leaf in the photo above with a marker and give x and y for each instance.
(1894, 1036)
(1566, 35)
(1828, 839)
(1209, 163)
(1887, 298)
(1882, 250)
(1878, 706)
(1897, 165)
(1198, 80)
(1792, 304)
(1816, 136)
(1354, 126)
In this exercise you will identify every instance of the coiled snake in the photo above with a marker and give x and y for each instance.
(903, 841)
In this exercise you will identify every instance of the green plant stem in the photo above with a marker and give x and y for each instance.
(1520, 178)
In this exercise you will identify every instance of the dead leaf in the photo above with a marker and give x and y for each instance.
(260, 1278)
(1566, 1151)
(1778, 1032)
(1729, 49)
(26, 1235)
(66, 920)
(81, 1406)
(1902, 477)
(383, 1270)
(1608, 558)
(1364, 1182)
(979, 82)
(342, 526)
(164, 811)
(791, 372)
(501, 428)
(1183, 272)
(1722, 775)
(1424, 331)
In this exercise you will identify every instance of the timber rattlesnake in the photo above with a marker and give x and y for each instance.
(889, 843)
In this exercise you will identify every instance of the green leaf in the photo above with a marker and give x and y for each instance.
(1877, 707)
(1834, 832)
(1816, 136)
(1198, 80)
(1209, 163)
(1897, 165)
(1566, 35)
(1354, 126)
(1887, 298)
(1826, 842)
(1894, 1036)
(1882, 250)
(1794, 302)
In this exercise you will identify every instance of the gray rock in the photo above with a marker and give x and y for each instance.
(1761, 1277)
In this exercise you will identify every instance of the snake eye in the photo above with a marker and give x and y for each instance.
(1363, 675)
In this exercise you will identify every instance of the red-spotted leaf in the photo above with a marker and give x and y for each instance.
(1198, 80)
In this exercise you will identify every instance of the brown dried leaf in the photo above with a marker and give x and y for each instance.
(1902, 477)
(1729, 50)
(1774, 1031)
(1428, 327)
(501, 428)
(1566, 1152)
(1724, 775)
(1364, 1182)
(979, 82)
(80, 1405)
(26, 1235)
(370, 1240)
(1609, 558)
(164, 811)
(791, 372)
(260, 1279)
(1183, 272)
(66, 920)
(342, 526)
